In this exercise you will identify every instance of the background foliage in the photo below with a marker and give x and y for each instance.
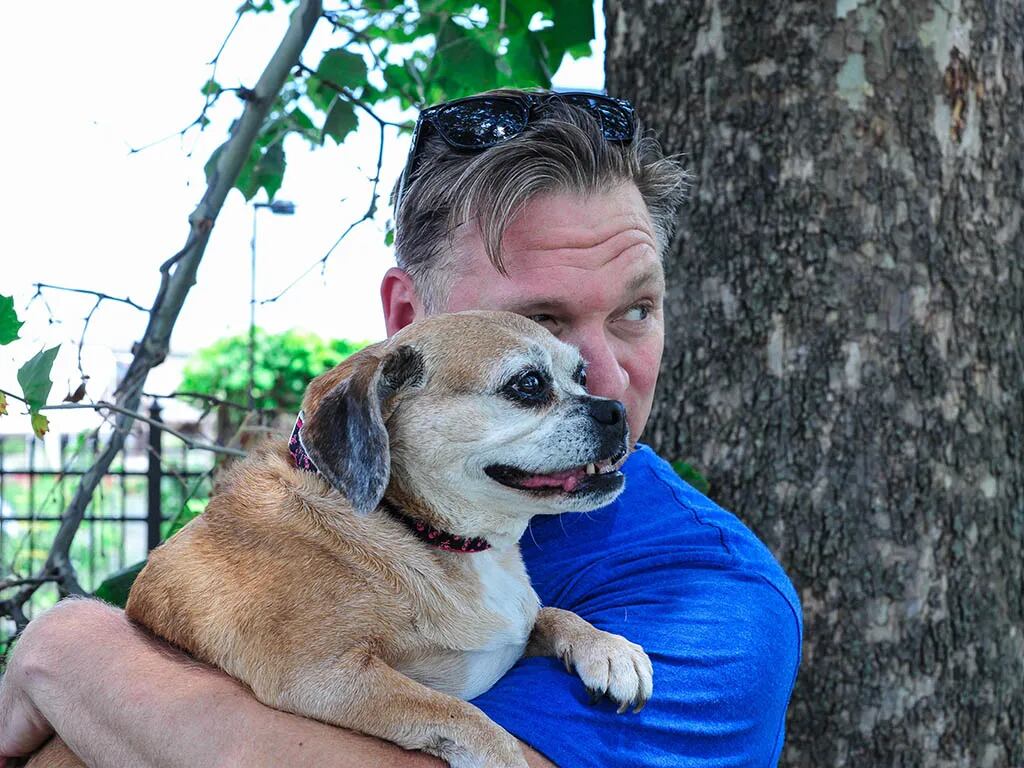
(284, 364)
(419, 53)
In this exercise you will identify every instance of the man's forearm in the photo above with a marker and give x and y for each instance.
(119, 698)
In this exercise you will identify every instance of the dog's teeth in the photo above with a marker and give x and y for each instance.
(591, 469)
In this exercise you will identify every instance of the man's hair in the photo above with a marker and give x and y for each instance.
(563, 150)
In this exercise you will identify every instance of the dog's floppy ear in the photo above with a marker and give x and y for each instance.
(345, 436)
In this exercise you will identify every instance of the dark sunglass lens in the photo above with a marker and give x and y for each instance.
(481, 122)
(616, 119)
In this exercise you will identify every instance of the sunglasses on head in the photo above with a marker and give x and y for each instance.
(479, 122)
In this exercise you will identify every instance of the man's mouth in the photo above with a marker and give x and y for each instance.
(595, 476)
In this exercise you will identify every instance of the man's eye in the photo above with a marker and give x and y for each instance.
(638, 313)
(543, 319)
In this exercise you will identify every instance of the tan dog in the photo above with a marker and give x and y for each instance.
(316, 578)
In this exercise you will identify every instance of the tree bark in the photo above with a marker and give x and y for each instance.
(845, 342)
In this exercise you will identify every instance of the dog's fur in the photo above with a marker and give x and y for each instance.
(321, 600)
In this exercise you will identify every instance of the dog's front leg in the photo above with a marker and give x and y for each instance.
(609, 665)
(361, 692)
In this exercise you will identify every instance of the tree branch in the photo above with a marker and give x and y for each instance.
(175, 285)
(98, 294)
(103, 405)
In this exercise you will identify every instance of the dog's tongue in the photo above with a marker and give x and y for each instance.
(566, 480)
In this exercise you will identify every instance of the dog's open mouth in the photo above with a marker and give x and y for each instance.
(596, 476)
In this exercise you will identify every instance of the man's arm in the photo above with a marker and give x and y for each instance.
(118, 697)
(670, 570)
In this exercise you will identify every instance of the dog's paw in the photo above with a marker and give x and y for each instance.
(609, 665)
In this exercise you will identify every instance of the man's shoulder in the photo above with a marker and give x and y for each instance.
(652, 484)
(659, 532)
(676, 573)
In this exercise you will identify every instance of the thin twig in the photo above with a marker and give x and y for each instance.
(371, 210)
(207, 398)
(8, 583)
(81, 339)
(103, 405)
(98, 294)
(11, 394)
(349, 96)
(209, 99)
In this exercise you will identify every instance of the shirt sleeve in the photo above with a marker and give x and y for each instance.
(724, 641)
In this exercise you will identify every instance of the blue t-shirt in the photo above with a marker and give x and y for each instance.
(669, 569)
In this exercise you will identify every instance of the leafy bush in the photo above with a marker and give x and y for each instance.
(284, 364)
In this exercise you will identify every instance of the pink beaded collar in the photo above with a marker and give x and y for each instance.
(423, 531)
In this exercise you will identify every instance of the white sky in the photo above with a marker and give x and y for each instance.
(85, 82)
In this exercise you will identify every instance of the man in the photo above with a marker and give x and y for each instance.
(555, 207)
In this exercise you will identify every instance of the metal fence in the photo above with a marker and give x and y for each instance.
(130, 513)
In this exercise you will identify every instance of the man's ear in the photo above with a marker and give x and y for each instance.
(346, 437)
(399, 300)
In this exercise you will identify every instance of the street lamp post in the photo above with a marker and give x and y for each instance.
(278, 208)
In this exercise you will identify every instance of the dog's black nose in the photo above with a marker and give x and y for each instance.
(607, 412)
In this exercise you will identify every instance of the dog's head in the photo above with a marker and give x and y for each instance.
(474, 413)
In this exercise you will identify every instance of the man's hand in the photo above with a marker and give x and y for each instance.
(22, 726)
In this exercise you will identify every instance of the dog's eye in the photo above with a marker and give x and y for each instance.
(531, 386)
(580, 377)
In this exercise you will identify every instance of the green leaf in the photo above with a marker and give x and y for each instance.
(300, 120)
(212, 88)
(573, 26)
(9, 322)
(321, 95)
(341, 121)
(692, 476)
(34, 378)
(400, 82)
(339, 68)
(115, 588)
(245, 181)
(40, 425)
(211, 164)
(269, 170)
(3, 404)
(342, 67)
(462, 65)
(526, 61)
(263, 169)
(580, 50)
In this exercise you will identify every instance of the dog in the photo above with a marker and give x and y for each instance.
(367, 574)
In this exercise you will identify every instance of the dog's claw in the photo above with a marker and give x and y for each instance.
(567, 662)
(641, 703)
(623, 707)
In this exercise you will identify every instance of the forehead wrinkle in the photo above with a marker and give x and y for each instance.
(584, 239)
(565, 257)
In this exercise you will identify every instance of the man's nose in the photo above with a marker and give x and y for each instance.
(605, 376)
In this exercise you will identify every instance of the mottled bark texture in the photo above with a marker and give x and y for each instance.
(845, 342)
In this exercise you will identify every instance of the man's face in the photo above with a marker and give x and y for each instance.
(587, 268)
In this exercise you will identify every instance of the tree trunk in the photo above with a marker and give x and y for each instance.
(845, 342)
